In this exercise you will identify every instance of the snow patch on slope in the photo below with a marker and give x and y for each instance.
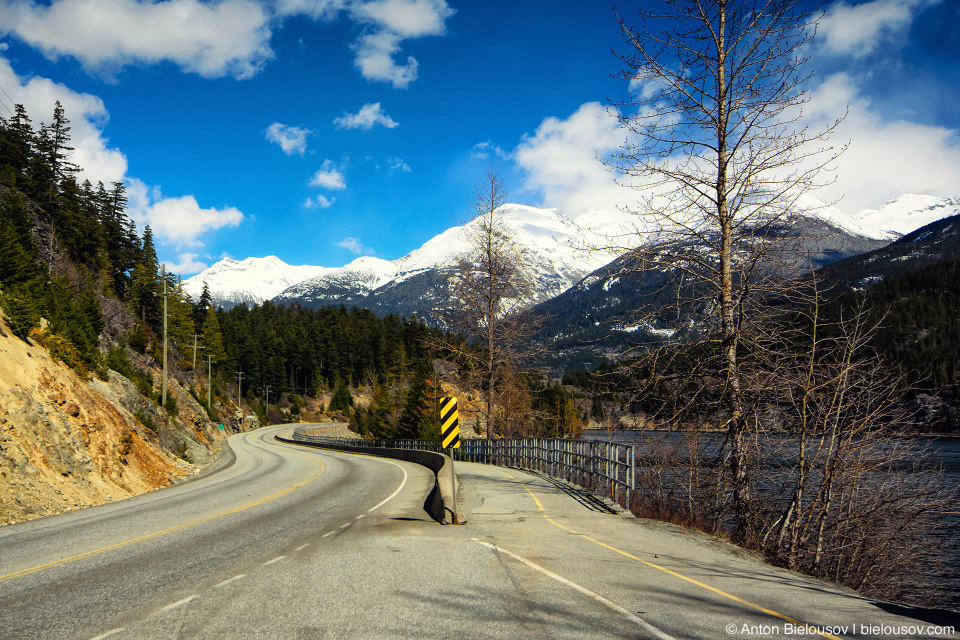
(252, 280)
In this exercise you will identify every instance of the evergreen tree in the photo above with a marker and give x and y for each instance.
(146, 289)
(419, 416)
(212, 338)
(342, 400)
(180, 325)
(17, 148)
(200, 309)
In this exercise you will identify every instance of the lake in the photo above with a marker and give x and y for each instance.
(930, 452)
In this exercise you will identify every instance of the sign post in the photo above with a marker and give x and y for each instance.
(450, 439)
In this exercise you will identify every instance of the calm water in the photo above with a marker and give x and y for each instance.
(933, 453)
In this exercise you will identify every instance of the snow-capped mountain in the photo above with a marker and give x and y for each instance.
(249, 281)
(893, 219)
(561, 251)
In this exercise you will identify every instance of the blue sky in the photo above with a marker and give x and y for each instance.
(319, 130)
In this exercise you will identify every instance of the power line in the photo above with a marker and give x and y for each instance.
(8, 98)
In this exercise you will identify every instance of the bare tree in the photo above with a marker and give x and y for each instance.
(490, 287)
(718, 149)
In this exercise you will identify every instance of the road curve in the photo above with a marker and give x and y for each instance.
(133, 563)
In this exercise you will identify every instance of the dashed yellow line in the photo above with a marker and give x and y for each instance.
(652, 565)
(179, 527)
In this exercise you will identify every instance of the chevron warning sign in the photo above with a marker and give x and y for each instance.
(449, 423)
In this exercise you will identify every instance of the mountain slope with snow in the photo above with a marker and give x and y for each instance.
(561, 251)
(250, 281)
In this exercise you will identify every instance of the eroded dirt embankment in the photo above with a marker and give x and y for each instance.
(67, 443)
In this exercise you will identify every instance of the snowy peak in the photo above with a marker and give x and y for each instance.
(561, 252)
(251, 281)
(554, 242)
(905, 214)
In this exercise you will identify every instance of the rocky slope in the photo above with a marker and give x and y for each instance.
(67, 443)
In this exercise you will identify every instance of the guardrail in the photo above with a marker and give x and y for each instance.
(603, 468)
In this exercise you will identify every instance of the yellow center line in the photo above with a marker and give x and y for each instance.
(539, 505)
(653, 565)
(179, 527)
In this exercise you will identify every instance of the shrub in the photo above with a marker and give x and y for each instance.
(118, 361)
(145, 420)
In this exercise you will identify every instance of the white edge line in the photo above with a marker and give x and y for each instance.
(108, 634)
(277, 559)
(394, 494)
(399, 489)
(177, 604)
(596, 596)
(229, 580)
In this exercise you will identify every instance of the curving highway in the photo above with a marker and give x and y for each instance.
(132, 567)
(294, 543)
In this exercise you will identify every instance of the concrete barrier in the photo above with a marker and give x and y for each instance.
(439, 502)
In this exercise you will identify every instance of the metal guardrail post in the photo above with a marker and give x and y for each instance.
(601, 467)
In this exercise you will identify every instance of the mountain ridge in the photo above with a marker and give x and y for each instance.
(563, 251)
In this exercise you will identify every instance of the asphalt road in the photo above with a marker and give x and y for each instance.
(298, 543)
(125, 564)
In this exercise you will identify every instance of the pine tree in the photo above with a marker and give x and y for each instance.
(145, 290)
(212, 338)
(201, 308)
(180, 318)
(59, 148)
(17, 146)
(419, 417)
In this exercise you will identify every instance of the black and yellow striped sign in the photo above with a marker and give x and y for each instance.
(449, 423)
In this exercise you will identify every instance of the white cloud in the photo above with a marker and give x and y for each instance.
(328, 177)
(176, 221)
(406, 18)
(291, 139)
(398, 164)
(321, 202)
(391, 22)
(561, 161)
(385, 25)
(375, 61)
(316, 9)
(87, 115)
(482, 151)
(353, 245)
(370, 114)
(885, 159)
(212, 39)
(858, 30)
(187, 265)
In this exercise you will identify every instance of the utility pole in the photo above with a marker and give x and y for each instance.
(266, 393)
(163, 274)
(209, 384)
(195, 336)
(239, 394)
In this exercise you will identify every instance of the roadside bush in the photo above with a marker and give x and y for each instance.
(118, 361)
(145, 420)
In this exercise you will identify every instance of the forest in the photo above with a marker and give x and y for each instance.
(76, 276)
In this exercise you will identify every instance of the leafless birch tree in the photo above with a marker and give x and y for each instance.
(720, 155)
(490, 287)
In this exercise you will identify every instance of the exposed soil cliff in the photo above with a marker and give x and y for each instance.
(67, 443)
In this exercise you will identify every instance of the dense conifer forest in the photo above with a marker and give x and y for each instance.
(76, 276)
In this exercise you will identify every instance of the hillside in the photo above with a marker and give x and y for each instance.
(932, 243)
(80, 306)
(597, 319)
